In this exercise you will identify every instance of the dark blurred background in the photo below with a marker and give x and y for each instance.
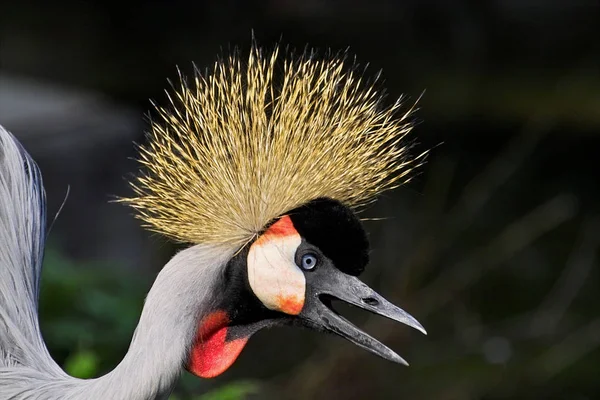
(493, 246)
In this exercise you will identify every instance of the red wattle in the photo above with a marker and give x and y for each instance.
(212, 354)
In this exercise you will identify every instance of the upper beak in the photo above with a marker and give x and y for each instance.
(317, 311)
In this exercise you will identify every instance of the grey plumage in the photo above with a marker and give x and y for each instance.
(166, 330)
(22, 218)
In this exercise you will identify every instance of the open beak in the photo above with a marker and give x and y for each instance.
(328, 283)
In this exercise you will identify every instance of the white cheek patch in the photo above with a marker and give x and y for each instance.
(272, 271)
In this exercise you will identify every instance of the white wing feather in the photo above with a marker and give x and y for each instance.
(22, 234)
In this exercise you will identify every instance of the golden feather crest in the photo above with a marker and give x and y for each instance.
(238, 148)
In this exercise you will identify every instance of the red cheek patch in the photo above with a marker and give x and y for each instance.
(291, 305)
(212, 354)
(283, 227)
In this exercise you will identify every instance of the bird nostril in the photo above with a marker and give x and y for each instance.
(370, 301)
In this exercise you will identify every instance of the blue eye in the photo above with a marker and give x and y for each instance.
(309, 261)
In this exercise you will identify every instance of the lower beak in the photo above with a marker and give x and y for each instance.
(333, 283)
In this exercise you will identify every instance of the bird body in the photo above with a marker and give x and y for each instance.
(261, 179)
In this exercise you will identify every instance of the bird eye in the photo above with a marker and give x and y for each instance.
(309, 261)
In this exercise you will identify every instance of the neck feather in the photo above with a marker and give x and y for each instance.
(183, 291)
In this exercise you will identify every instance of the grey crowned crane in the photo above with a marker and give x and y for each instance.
(262, 175)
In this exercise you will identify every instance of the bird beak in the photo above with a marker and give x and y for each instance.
(327, 283)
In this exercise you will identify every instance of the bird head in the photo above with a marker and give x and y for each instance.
(275, 170)
(288, 276)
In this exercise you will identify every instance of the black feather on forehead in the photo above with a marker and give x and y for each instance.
(336, 231)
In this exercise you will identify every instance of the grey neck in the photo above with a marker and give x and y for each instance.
(183, 291)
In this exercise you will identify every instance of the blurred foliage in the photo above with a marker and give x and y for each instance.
(88, 312)
(231, 391)
(82, 364)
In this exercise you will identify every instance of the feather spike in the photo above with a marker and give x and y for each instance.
(241, 145)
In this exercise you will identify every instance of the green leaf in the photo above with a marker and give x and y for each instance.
(232, 391)
(83, 364)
